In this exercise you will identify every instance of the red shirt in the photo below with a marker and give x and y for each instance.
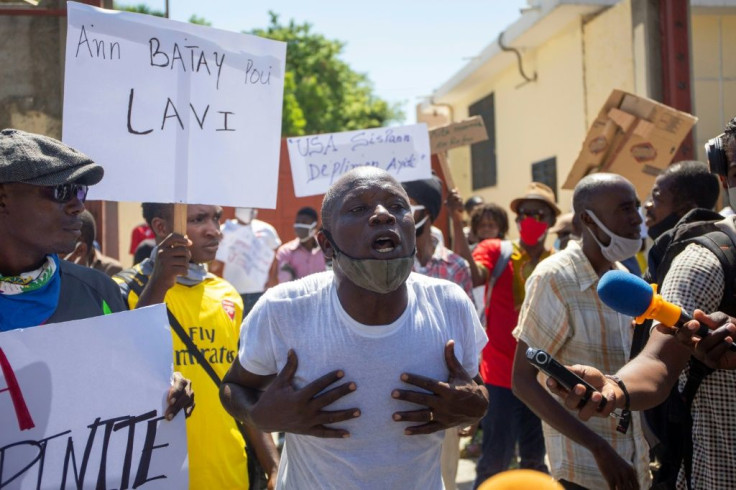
(140, 233)
(502, 314)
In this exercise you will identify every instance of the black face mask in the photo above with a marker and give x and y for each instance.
(666, 224)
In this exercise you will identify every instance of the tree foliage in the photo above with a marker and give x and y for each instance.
(142, 8)
(195, 19)
(322, 94)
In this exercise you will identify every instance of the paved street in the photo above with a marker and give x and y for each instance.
(465, 474)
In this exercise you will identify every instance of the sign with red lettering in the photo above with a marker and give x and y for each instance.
(81, 405)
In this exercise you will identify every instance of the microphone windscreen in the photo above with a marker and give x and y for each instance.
(625, 293)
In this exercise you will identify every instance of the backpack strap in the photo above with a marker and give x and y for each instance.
(721, 245)
(507, 249)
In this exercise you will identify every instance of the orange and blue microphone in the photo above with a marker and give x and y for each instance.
(628, 294)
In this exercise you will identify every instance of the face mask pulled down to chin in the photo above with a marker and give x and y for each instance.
(532, 231)
(378, 275)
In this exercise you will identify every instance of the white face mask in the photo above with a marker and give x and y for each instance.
(643, 230)
(620, 248)
(305, 232)
(421, 222)
(246, 215)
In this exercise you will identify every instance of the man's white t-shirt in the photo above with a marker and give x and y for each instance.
(306, 316)
(247, 252)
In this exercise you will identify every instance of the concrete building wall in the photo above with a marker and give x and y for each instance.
(534, 121)
(31, 78)
(609, 57)
(129, 216)
(577, 69)
(714, 73)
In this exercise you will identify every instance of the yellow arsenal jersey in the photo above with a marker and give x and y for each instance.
(210, 313)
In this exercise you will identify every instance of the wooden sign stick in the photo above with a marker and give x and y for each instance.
(445, 166)
(180, 218)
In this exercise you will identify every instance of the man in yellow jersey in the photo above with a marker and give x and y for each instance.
(205, 312)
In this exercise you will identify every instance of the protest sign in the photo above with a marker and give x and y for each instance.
(81, 405)
(634, 137)
(317, 161)
(174, 112)
(454, 135)
(463, 133)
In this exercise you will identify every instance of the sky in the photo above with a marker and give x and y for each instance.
(408, 48)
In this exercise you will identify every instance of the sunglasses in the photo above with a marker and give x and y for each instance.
(64, 193)
(539, 214)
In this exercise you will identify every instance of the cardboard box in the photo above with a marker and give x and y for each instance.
(634, 137)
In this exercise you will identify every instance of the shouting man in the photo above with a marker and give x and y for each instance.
(388, 338)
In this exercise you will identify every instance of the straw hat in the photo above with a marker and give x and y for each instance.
(537, 192)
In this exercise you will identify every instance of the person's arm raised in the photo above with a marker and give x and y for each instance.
(172, 260)
(459, 242)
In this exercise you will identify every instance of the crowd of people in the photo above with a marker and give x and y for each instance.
(373, 345)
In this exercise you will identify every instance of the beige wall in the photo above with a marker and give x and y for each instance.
(129, 216)
(609, 57)
(714, 74)
(577, 69)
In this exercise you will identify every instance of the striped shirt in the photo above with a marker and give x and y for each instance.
(696, 280)
(445, 264)
(563, 315)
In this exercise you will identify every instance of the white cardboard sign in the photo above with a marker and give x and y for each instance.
(318, 160)
(81, 405)
(174, 112)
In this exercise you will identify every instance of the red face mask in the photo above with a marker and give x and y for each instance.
(531, 231)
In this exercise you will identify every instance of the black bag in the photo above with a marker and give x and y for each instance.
(671, 421)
